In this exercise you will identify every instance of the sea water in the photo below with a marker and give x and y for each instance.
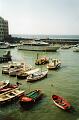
(63, 82)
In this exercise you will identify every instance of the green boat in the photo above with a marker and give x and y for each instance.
(30, 99)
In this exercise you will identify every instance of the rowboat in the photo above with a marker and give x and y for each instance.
(10, 96)
(37, 76)
(30, 99)
(4, 83)
(61, 102)
(54, 64)
(8, 87)
(14, 71)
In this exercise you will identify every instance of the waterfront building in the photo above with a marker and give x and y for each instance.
(4, 32)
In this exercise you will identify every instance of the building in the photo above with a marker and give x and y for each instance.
(4, 32)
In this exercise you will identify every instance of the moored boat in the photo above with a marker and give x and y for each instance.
(61, 102)
(30, 99)
(14, 71)
(36, 76)
(8, 87)
(4, 83)
(4, 45)
(38, 46)
(6, 57)
(10, 96)
(54, 64)
(23, 74)
(66, 47)
(42, 61)
(76, 49)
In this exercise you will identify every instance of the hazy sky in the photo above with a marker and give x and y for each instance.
(41, 16)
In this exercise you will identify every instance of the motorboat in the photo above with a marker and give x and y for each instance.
(41, 61)
(54, 64)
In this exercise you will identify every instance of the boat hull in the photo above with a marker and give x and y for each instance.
(28, 102)
(61, 102)
(38, 48)
(10, 96)
(37, 78)
(54, 67)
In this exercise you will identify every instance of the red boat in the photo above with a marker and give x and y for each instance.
(61, 102)
(28, 100)
(8, 87)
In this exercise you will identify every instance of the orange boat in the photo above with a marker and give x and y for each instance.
(61, 102)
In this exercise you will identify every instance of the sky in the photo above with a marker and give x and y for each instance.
(58, 17)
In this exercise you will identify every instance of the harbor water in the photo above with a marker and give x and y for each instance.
(63, 82)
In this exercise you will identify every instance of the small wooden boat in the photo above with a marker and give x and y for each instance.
(8, 87)
(61, 102)
(4, 83)
(14, 71)
(54, 64)
(30, 99)
(22, 75)
(6, 68)
(10, 95)
(37, 76)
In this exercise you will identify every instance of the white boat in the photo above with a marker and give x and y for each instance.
(66, 47)
(4, 45)
(4, 83)
(6, 68)
(76, 49)
(14, 71)
(38, 46)
(54, 64)
(37, 76)
(10, 96)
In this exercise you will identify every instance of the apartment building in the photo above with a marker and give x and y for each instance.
(4, 32)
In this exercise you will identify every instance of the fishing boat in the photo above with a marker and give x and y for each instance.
(36, 76)
(30, 99)
(41, 61)
(61, 102)
(14, 71)
(10, 96)
(54, 64)
(66, 47)
(8, 87)
(24, 73)
(6, 57)
(37, 46)
(6, 68)
(4, 45)
(4, 83)
(76, 49)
